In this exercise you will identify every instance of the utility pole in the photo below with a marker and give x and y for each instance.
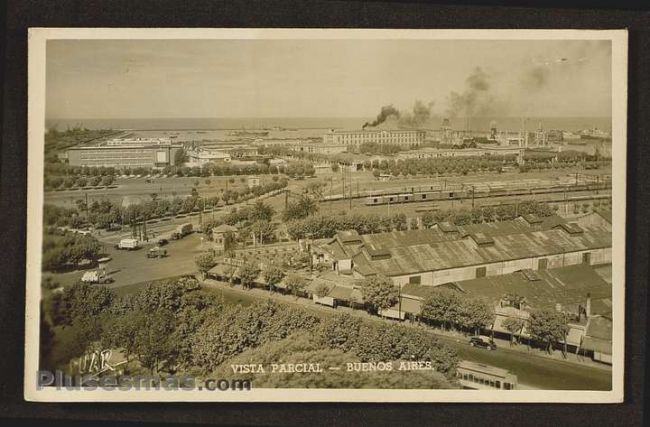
(351, 193)
(472, 197)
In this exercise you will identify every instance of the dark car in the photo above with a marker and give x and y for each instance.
(162, 242)
(482, 343)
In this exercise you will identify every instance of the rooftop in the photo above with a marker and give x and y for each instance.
(443, 255)
(563, 285)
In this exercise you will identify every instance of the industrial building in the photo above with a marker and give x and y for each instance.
(354, 138)
(447, 253)
(124, 155)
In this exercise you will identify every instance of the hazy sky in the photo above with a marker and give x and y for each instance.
(324, 78)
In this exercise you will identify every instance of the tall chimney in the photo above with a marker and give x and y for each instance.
(588, 306)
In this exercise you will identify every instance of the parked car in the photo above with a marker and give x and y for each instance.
(162, 242)
(481, 342)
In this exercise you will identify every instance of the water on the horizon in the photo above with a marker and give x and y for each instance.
(475, 123)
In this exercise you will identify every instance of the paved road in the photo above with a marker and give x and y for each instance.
(532, 370)
(537, 371)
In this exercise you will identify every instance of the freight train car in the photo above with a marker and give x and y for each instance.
(477, 193)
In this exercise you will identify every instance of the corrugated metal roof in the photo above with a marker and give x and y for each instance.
(460, 253)
(566, 285)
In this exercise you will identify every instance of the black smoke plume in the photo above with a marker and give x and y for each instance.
(406, 119)
(386, 112)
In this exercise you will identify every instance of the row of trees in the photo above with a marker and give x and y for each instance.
(486, 214)
(449, 309)
(319, 227)
(64, 183)
(326, 226)
(442, 166)
(101, 214)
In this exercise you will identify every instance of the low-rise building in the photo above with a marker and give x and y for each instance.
(128, 155)
(448, 253)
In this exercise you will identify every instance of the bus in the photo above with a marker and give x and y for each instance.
(477, 376)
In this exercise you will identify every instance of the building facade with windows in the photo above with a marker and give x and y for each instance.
(354, 138)
(123, 155)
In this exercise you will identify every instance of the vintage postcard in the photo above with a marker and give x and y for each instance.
(326, 215)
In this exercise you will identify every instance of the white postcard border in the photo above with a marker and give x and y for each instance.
(37, 38)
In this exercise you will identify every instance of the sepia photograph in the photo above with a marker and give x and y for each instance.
(326, 215)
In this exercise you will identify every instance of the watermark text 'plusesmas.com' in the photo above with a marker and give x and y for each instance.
(88, 382)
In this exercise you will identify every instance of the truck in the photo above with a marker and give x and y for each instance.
(96, 276)
(129, 244)
(182, 231)
(156, 252)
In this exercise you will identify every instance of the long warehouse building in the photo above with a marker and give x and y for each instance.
(158, 155)
(444, 255)
(354, 138)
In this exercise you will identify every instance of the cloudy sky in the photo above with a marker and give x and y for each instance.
(106, 79)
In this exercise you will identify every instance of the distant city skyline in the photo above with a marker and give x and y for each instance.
(139, 79)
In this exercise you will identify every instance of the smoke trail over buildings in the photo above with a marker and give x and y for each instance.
(416, 118)
(476, 99)
(532, 85)
(386, 112)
